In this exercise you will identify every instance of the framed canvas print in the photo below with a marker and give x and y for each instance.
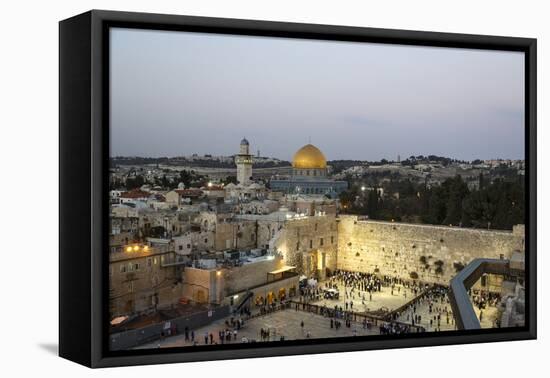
(234, 188)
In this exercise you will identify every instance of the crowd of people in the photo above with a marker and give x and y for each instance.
(436, 301)
(393, 328)
(430, 310)
(361, 286)
(481, 299)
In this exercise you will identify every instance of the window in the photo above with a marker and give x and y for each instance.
(155, 261)
(332, 240)
(321, 242)
(311, 244)
(315, 226)
(130, 267)
(149, 262)
(180, 247)
(130, 286)
(122, 268)
(136, 267)
(188, 246)
(205, 240)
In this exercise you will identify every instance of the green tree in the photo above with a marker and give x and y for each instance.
(372, 204)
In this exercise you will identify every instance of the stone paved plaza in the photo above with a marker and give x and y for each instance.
(362, 302)
(447, 323)
(285, 323)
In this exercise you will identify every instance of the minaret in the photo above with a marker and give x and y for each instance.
(244, 164)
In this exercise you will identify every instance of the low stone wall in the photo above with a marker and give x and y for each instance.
(132, 338)
(269, 287)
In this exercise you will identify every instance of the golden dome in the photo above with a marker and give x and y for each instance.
(309, 157)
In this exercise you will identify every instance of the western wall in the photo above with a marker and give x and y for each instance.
(399, 249)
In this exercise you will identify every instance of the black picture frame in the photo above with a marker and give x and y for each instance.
(83, 163)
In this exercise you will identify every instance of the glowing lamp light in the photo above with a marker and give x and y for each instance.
(219, 273)
(209, 184)
(145, 248)
(128, 249)
(136, 248)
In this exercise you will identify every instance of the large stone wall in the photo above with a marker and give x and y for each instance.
(309, 243)
(396, 249)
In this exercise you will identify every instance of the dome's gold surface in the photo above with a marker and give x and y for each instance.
(309, 157)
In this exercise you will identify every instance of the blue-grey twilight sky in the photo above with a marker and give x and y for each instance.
(179, 93)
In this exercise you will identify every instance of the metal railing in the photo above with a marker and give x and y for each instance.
(463, 310)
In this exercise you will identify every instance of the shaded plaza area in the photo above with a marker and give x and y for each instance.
(433, 312)
(286, 323)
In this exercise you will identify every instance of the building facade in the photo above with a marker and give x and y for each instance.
(309, 175)
(244, 163)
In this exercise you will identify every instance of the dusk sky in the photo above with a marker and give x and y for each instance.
(179, 93)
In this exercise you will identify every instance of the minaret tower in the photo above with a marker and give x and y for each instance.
(244, 164)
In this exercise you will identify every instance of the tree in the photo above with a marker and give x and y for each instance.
(457, 192)
(135, 182)
(372, 204)
(347, 198)
(229, 180)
